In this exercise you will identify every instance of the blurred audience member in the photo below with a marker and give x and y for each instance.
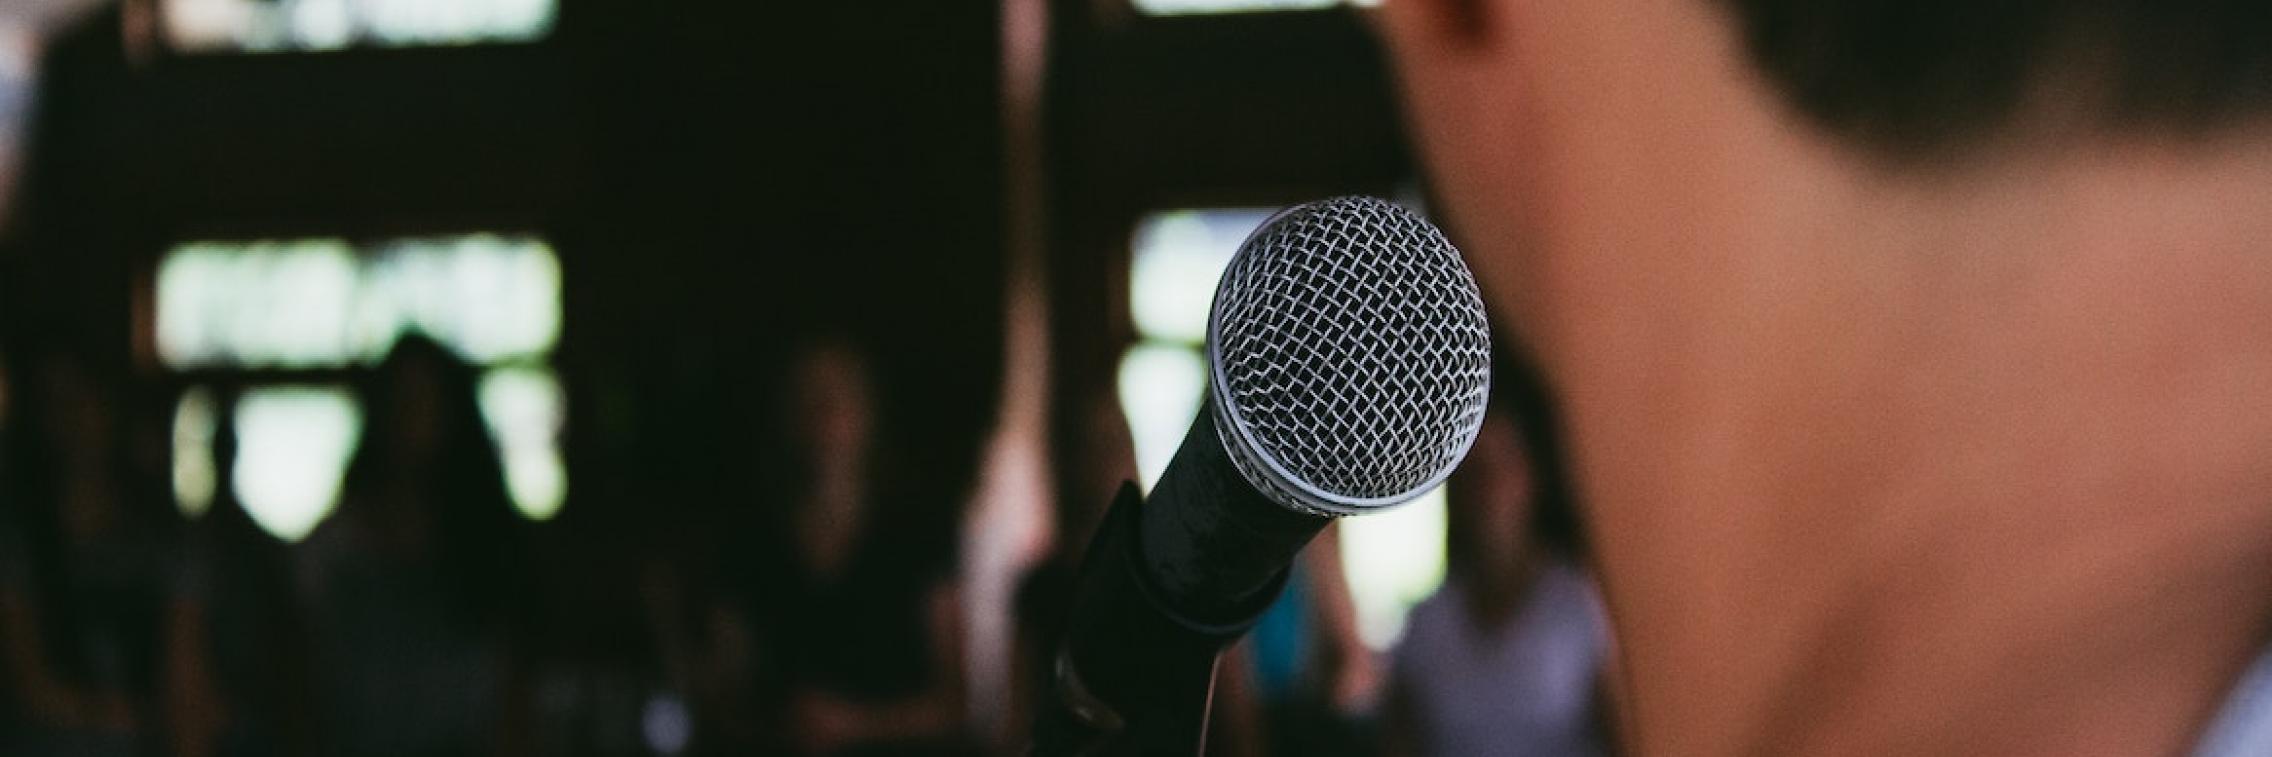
(1300, 683)
(707, 663)
(243, 658)
(409, 582)
(1102, 458)
(89, 593)
(861, 640)
(1505, 658)
(1298, 686)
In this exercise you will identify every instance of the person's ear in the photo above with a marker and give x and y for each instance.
(1447, 24)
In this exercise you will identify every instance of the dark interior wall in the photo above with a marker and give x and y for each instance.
(765, 171)
(720, 179)
(1148, 114)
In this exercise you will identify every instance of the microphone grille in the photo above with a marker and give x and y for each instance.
(1350, 354)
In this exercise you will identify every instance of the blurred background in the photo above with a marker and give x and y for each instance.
(621, 377)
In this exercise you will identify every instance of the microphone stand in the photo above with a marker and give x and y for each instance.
(1132, 676)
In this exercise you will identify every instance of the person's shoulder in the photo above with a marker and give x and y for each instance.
(1567, 597)
(1439, 614)
(329, 537)
(1567, 583)
(333, 544)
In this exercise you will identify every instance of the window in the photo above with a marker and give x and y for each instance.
(327, 304)
(317, 25)
(293, 444)
(1392, 559)
(1198, 7)
(17, 80)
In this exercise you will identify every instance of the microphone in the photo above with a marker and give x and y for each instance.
(1349, 361)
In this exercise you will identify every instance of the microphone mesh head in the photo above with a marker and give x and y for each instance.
(1351, 358)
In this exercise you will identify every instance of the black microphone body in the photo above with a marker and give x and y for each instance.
(1165, 585)
(1212, 541)
(1132, 677)
(1349, 360)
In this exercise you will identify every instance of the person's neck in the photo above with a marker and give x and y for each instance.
(1983, 470)
(1886, 463)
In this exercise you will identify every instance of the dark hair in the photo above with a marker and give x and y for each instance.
(1906, 76)
(1520, 394)
(475, 529)
(1519, 390)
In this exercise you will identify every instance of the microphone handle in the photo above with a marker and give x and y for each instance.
(1127, 678)
(1164, 586)
(1212, 541)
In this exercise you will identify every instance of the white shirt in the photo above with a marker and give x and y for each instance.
(1525, 688)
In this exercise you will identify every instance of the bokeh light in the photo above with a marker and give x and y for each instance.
(260, 26)
(196, 419)
(1201, 7)
(328, 303)
(294, 445)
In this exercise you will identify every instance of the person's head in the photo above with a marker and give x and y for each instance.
(417, 401)
(81, 429)
(1506, 502)
(831, 414)
(831, 404)
(1858, 313)
(1614, 126)
(79, 422)
(1490, 500)
(427, 474)
(425, 450)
